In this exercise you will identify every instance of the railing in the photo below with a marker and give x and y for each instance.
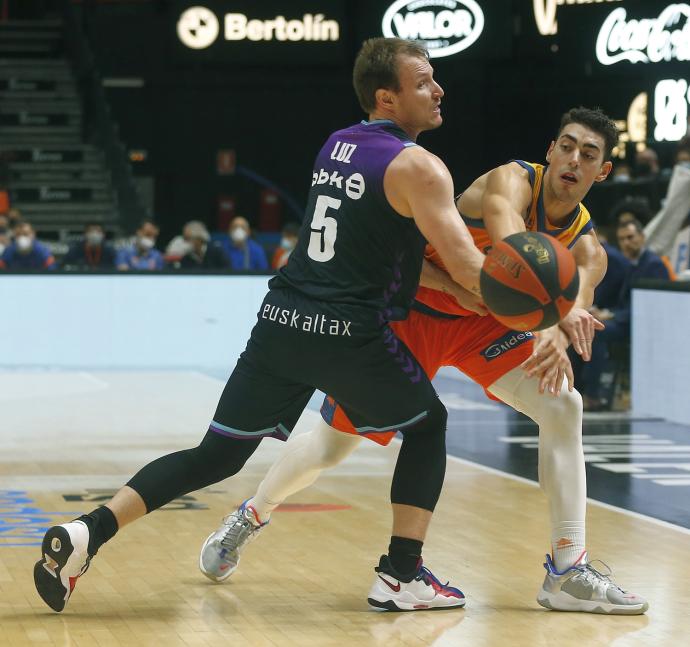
(98, 124)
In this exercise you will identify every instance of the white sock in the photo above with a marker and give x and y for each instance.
(561, 458)
(567, 543)
(304, 458)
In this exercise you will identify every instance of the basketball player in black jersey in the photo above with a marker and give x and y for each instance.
(375, 197)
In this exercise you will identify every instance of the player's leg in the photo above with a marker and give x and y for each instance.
(561, 458)
(241, 421)
(491, 355)
(405, 395)
(304, 457)
(571, 582)
(307, 455)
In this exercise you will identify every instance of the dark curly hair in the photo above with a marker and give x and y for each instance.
(638, 206)
(595, 119)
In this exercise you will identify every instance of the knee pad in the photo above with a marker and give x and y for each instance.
(561, 415)
(423, 451)
(220, 457)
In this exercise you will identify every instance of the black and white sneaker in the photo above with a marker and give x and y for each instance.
(65, 559)
(423, 591)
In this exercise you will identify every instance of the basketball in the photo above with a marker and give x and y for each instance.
(529, 281)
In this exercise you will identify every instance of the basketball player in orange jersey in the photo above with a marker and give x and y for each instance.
(523, 370)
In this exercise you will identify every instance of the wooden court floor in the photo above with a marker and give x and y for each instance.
(68, 439)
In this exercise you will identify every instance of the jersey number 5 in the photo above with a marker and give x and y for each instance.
(324, 229)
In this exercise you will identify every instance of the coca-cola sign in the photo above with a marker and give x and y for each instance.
(649, 40)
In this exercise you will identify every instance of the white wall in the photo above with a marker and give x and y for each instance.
(120, 321)
(661, 354)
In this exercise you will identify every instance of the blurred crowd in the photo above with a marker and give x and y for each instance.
(625, 237)
(193, 249)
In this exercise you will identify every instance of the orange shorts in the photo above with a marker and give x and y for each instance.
(480, 347)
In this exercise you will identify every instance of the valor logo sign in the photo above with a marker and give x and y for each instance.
(652, 40)
(445, 27)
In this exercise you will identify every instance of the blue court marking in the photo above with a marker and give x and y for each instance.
(22, 523)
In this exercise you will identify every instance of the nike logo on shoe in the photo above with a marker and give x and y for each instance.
(394, 587)
(50, 565)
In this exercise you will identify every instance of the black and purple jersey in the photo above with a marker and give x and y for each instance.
(354, 248)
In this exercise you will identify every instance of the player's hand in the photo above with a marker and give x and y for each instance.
(469, 300)
(580, 327)
(549, 361)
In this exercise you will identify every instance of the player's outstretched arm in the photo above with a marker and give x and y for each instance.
(579, 324)
(418, 185)
(435, 278)
(506, 197)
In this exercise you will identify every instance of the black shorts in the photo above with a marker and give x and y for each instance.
(299, 345)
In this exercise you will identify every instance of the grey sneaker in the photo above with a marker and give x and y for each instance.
(220, 553)
(583, 588)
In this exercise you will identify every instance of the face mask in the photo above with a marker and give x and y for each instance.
(239, 235)
(94, 238)
(287, 243)
(3, 231)
(24, 243)
(145, 243)
(621, 177)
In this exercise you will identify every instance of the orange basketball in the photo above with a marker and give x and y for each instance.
(529, 281)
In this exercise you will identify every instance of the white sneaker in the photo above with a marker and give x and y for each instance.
(220, 554)
(583, 588)
(424, 591)
(65, 560)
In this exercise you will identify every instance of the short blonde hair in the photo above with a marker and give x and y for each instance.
(376, 67)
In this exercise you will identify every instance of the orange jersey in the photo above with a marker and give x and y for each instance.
(578, 223)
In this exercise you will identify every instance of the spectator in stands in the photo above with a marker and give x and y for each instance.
(244, 253)
(143, 255)
(643, 264)
(15, 217)
(25, 252)
(204, 254)
(287, 244)
(621, 172)
(5, 233)
(91, 252)
(647, 164)
(683, 151)
(631, 208)
(180, 244)
(618, 267)
(4, 183)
